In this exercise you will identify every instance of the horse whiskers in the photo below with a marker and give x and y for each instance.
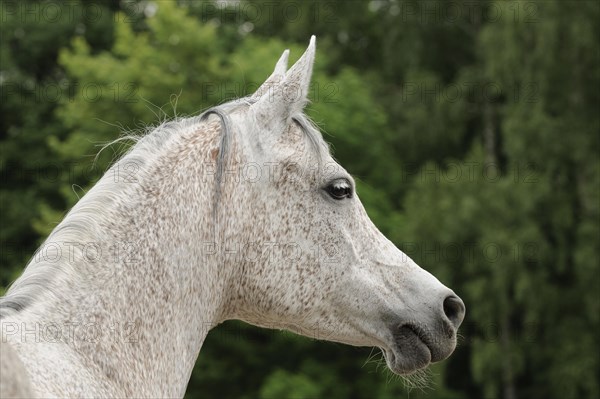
(420, 379)
(376, 358)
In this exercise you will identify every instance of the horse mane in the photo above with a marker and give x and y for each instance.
(81, 222)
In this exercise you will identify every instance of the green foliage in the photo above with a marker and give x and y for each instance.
(282, 384)
(473, 138)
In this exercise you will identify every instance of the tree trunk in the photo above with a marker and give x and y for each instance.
(491, 159)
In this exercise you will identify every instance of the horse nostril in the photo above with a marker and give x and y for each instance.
(454, 308)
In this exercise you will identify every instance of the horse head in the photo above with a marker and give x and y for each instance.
(311, 259)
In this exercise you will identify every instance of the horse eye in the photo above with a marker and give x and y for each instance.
(339, 189)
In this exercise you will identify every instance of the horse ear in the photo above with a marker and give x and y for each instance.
(276, 77)
(289, 96)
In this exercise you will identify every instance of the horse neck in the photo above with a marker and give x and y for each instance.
(151, 296)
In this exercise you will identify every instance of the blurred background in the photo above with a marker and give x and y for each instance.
(472, 128)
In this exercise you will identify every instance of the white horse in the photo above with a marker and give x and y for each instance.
(240, 213)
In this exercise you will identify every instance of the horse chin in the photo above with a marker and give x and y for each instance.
(408, 353)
